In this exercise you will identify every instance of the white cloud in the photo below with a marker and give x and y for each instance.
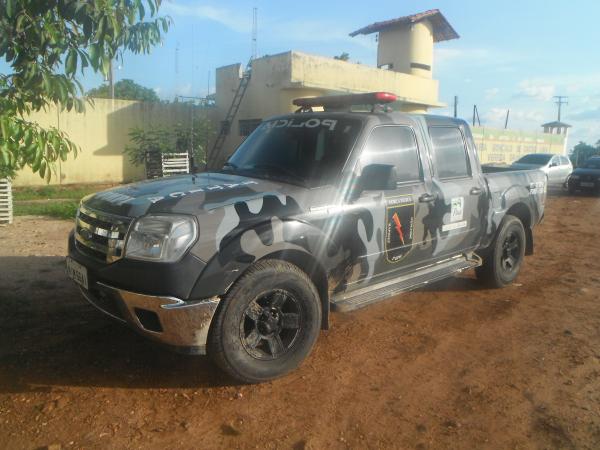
(518, 118)
(235, 21)
(491, 93)
(537, 89)
(442, 54)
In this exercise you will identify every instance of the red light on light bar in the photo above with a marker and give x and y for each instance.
(385, 97)
(341, 101)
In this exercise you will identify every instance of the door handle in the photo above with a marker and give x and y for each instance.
(475, 191)
(427, 198)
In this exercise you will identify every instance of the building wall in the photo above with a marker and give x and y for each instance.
(278, 79)
(102, 134)
(505, 146)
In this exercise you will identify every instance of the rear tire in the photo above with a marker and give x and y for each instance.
(267, 324)
(503, 262)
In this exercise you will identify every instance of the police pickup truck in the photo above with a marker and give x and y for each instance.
(315, 211)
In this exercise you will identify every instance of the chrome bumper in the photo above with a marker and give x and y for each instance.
(168, 320)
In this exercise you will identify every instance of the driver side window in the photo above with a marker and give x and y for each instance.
(394, 146)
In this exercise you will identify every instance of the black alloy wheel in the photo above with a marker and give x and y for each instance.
(271, 324)
(503, 259)
(511, 252)
(267, 324)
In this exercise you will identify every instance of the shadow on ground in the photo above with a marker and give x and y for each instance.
(51, 337)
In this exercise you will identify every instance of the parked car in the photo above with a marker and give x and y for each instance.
(314, 211)
(557, 167)
(586, 177)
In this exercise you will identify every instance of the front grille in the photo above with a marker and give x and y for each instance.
(100, 235)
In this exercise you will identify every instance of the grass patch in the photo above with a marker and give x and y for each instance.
(60, 210)
(54, 192)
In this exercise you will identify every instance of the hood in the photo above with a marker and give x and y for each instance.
(187, 194)
(581, 171)
(523, 166)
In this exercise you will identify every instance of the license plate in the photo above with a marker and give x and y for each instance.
(77, 273)
(587, 184)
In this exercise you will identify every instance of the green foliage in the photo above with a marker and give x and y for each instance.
(61, 210)
(170, 139)
(582, 151)
(45, 44)
(343, 57)
(125, 90)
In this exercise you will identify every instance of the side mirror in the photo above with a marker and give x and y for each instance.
(376, 177)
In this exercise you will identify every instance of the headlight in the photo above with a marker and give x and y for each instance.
(161, 238)
(575, 177)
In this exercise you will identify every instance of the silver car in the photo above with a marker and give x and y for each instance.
(557, 167)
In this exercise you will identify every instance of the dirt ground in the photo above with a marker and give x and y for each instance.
(452, 366)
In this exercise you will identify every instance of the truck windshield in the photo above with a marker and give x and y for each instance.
(537, 159)
(306, 150)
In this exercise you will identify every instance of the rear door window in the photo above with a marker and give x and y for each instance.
(450, 153)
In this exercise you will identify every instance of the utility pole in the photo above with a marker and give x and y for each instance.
(560, 100)
(506, 121)
(456, 106)
(111, 82)
(254, 32)
(476, 116)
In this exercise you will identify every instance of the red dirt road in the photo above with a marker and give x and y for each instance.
(453, 366)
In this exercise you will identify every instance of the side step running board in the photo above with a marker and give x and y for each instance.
(348, 301)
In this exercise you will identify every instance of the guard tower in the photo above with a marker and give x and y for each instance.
(405, 44)
(556, 127)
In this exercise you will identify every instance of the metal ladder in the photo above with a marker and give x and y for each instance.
(213, 155)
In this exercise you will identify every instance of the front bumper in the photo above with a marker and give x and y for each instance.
(183, 326)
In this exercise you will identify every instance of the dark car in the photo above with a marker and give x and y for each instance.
(314, 211)
(586, 177)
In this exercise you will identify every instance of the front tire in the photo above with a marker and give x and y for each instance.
(502, 264)
(267, 324)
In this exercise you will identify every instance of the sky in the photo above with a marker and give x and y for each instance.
(512, 55)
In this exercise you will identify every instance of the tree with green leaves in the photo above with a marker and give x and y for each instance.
(191, 138)
(125, 90)
(47, 44)
(582, 151)
(343, 57)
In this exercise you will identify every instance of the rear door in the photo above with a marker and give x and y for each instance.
(456, 218)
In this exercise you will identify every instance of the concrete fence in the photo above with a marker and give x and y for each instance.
(102, 133)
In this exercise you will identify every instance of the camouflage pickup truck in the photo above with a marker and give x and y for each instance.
(315, 211)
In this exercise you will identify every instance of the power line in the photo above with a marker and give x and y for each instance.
(560, 100)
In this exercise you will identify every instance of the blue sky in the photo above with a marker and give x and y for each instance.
(511, 54)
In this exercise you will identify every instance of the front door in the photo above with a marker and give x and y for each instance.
(393, 232)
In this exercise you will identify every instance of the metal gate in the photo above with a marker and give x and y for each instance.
(175, 164)
(6, 212)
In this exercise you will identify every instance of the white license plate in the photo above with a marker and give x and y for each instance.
(77, 273)
(587, 184)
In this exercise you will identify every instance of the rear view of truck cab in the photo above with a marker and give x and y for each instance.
(315, 211)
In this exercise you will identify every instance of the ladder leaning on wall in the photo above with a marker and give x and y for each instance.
(213, 156)
(6, 212)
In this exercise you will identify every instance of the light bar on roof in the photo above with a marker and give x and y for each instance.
(343, 101)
